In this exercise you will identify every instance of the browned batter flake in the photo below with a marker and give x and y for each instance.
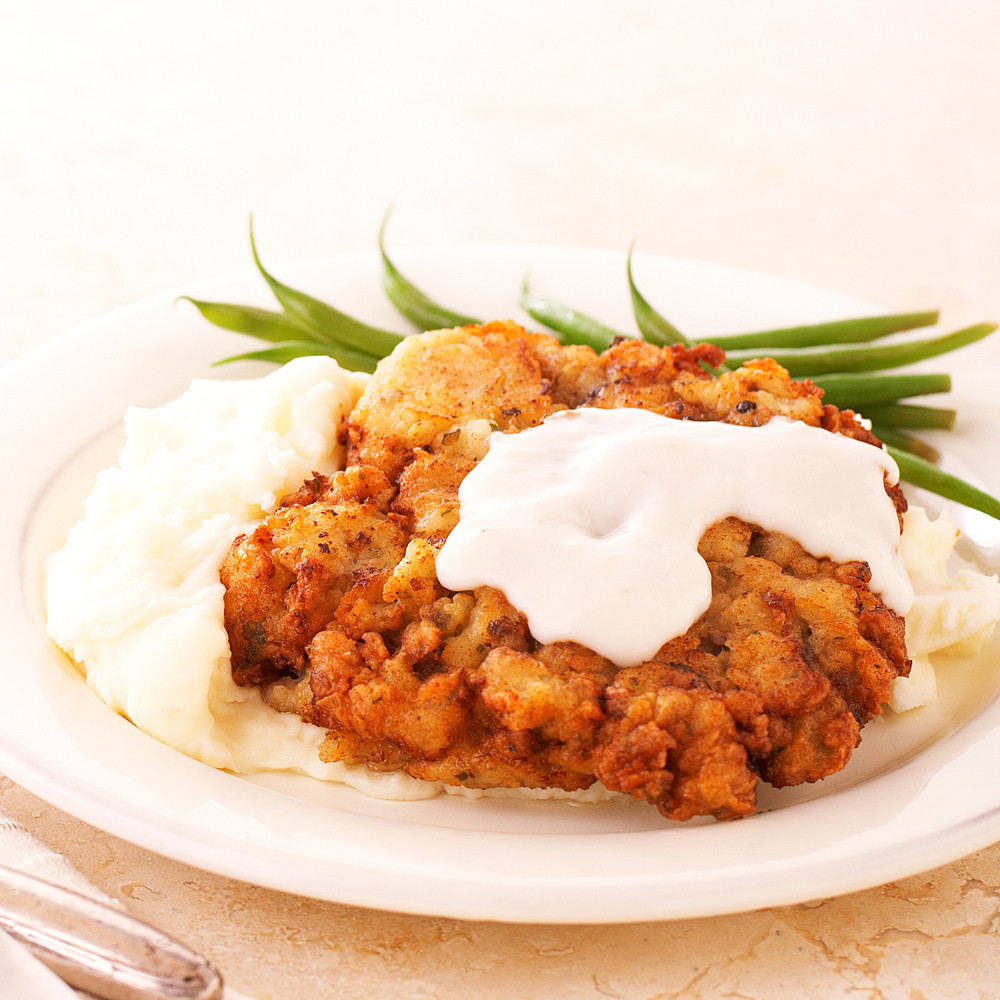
(334, 608)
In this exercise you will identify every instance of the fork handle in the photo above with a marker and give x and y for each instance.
(95, 947)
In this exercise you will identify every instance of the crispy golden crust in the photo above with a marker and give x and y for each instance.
(444, 384)
(333, 605)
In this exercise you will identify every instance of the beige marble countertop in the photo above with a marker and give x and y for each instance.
(851, 144)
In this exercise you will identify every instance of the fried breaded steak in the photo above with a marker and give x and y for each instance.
(333, 606)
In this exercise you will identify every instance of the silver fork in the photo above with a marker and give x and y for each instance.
(97, 948)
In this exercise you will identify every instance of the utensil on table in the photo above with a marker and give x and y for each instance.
(95, 947)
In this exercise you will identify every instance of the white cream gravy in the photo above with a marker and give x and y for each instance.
(590, 521)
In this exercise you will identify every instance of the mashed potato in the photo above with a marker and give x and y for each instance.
(952, 613)
(134, 596)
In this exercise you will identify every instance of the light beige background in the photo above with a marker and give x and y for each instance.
(850, 144)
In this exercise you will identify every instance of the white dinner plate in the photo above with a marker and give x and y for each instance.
(919, 792)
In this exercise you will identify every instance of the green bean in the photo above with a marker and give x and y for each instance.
(421, 311)
(905, 442)
(919, 472)
(912, 416)
(851, 358)
(284, 351)
(853, 390)
(323, 320)
(657, 329)
(654, 327)
(573, 327)
(264, 324)
(842, 331)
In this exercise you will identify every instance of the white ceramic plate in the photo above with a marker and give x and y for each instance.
(919, 792)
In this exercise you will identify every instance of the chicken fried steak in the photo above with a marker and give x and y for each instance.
(333, 607)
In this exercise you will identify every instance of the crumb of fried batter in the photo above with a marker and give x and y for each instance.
(333, 606)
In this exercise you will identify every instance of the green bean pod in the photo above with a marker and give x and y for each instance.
(653, 326)
(264, 324)
(573, 327)
(410, 301)
(905, 442)
(842, 331)
(919, 472)
(850, 358)
(323, 320)
(855, 391)
(285, 351)
(912, 416)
